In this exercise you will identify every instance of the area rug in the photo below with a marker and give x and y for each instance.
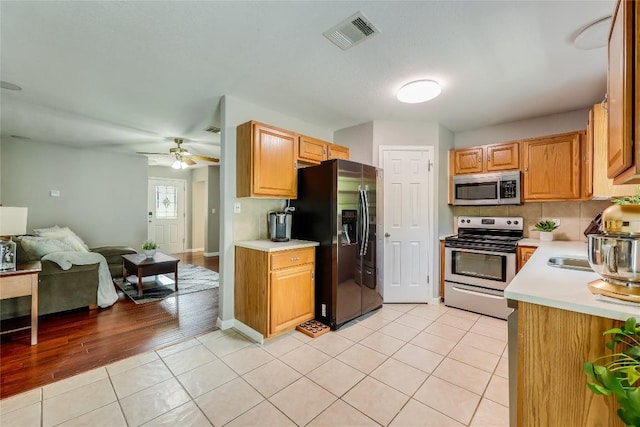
(191, 278)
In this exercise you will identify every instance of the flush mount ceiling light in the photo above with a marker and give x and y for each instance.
(419, 91)
(594, 35)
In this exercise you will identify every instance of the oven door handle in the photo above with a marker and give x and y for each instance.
(476, 251)
(466, 291)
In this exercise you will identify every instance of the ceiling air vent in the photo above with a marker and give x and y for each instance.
(351, 31)
(213, 129)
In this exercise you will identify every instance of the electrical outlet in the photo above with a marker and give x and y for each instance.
(557, 221)
(324, 310)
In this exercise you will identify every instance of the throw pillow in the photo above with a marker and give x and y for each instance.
(37, 247)
(64, 234)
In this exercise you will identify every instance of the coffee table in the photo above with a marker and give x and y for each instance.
(141, 266)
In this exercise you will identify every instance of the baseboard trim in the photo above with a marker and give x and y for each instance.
(250, 333)
(434, 301)
(209, 254)
(224, 324)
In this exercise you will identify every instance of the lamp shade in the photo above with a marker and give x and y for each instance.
(13, 221)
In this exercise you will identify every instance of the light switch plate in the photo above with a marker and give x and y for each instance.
(236, 207)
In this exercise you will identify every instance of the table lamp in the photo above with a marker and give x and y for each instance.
(13, 221)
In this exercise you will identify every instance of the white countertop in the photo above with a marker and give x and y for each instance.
(533, 242)
(269, 246)
(539, 283)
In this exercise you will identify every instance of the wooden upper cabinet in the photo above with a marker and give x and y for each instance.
(265, 161)
(486, 158)
(502, 157)
(596, 143)
(468, 160)
(620, 82)
(313, 150)
(552, 167)
(338, 152)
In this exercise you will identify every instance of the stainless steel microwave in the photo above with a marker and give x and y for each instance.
(500, 188)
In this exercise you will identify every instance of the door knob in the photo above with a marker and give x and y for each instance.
(387, 235)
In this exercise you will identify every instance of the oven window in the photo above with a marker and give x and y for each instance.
(477, 191)
(482, 266)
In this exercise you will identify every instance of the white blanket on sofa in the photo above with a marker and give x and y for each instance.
(106, 292)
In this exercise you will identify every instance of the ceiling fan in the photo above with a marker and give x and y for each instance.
(184, 159)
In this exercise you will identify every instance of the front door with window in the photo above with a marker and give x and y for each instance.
(166, 214)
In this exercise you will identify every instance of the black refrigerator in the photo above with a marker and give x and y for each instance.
(336, 206)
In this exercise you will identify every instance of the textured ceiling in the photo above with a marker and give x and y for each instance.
(130, 76)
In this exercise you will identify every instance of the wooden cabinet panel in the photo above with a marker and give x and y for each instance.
(274, 291)
(552, 346)
(620, 92)
(487, 158)
(503, 156)
(311, 149)
(468, 160)
(596, 142)
(524, 253)
(552, 167)
(266, 161)
(292, 297)
(338, 152)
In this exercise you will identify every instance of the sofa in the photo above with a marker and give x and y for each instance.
(61, 290)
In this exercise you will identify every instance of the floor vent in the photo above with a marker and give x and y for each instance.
(351, 31)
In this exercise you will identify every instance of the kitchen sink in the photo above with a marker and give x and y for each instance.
(570, 263)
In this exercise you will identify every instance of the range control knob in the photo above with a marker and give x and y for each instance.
(515, 222)
(509, 222)
(468, 221)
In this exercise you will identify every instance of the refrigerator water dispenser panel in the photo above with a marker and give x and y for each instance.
(349, 218)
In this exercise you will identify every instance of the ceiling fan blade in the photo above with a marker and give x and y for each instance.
(205, 158)
(155, 154)
(188, 161)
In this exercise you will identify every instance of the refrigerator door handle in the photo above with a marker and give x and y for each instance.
(361, 224)
(365, 245)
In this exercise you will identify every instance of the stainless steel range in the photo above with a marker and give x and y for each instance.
(480, 262)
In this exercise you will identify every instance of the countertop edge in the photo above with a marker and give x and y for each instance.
(269, 246)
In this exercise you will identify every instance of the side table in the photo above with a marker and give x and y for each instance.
(22, 282)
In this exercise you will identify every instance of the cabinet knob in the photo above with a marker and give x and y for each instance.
(295, 258)
(387, 235)
(479, 160)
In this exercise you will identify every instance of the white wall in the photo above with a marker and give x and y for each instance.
(531, 128)
(235, 111)
(103, 196)
(359, 139)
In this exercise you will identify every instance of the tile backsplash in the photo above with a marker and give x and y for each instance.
(252, 223)
(574, 216)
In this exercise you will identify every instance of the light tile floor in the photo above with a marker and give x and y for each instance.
(403, 365)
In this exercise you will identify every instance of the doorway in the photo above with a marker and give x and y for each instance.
(408, 223)
(166, 213)
(198, 214)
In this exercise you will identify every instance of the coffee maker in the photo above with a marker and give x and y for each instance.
(280, 225)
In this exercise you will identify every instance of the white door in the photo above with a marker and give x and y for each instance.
(407, 223)
(166, 204)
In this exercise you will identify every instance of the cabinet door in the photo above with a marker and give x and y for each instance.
(620, 91)
(274, 162)
(311, 150)
(503, 156)
(291, 297)
(552, 167)
(524, 253)
(338, 152)
(467, 160)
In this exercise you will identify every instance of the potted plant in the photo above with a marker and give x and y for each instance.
(620, 375)
(546, 229)
(149, 247)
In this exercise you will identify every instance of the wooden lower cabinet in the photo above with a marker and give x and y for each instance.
(274, 291)
(552, 346)
(524, 253)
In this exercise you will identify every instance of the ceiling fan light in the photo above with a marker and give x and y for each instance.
(419, 91)
(177, 165)
(183, 165)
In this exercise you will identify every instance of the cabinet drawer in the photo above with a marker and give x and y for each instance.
(15, 286)
(291, 258)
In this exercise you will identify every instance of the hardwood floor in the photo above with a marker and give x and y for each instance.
(80, 340)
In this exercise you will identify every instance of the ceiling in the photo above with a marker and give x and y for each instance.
(130, 76)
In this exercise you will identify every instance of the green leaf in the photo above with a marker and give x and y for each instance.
(587, 367)
(632, 374)
(627, 418)
(612, 331)
(609, 380)
(598, 389)
(630, 325)
(634, 399)
(633, 351)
